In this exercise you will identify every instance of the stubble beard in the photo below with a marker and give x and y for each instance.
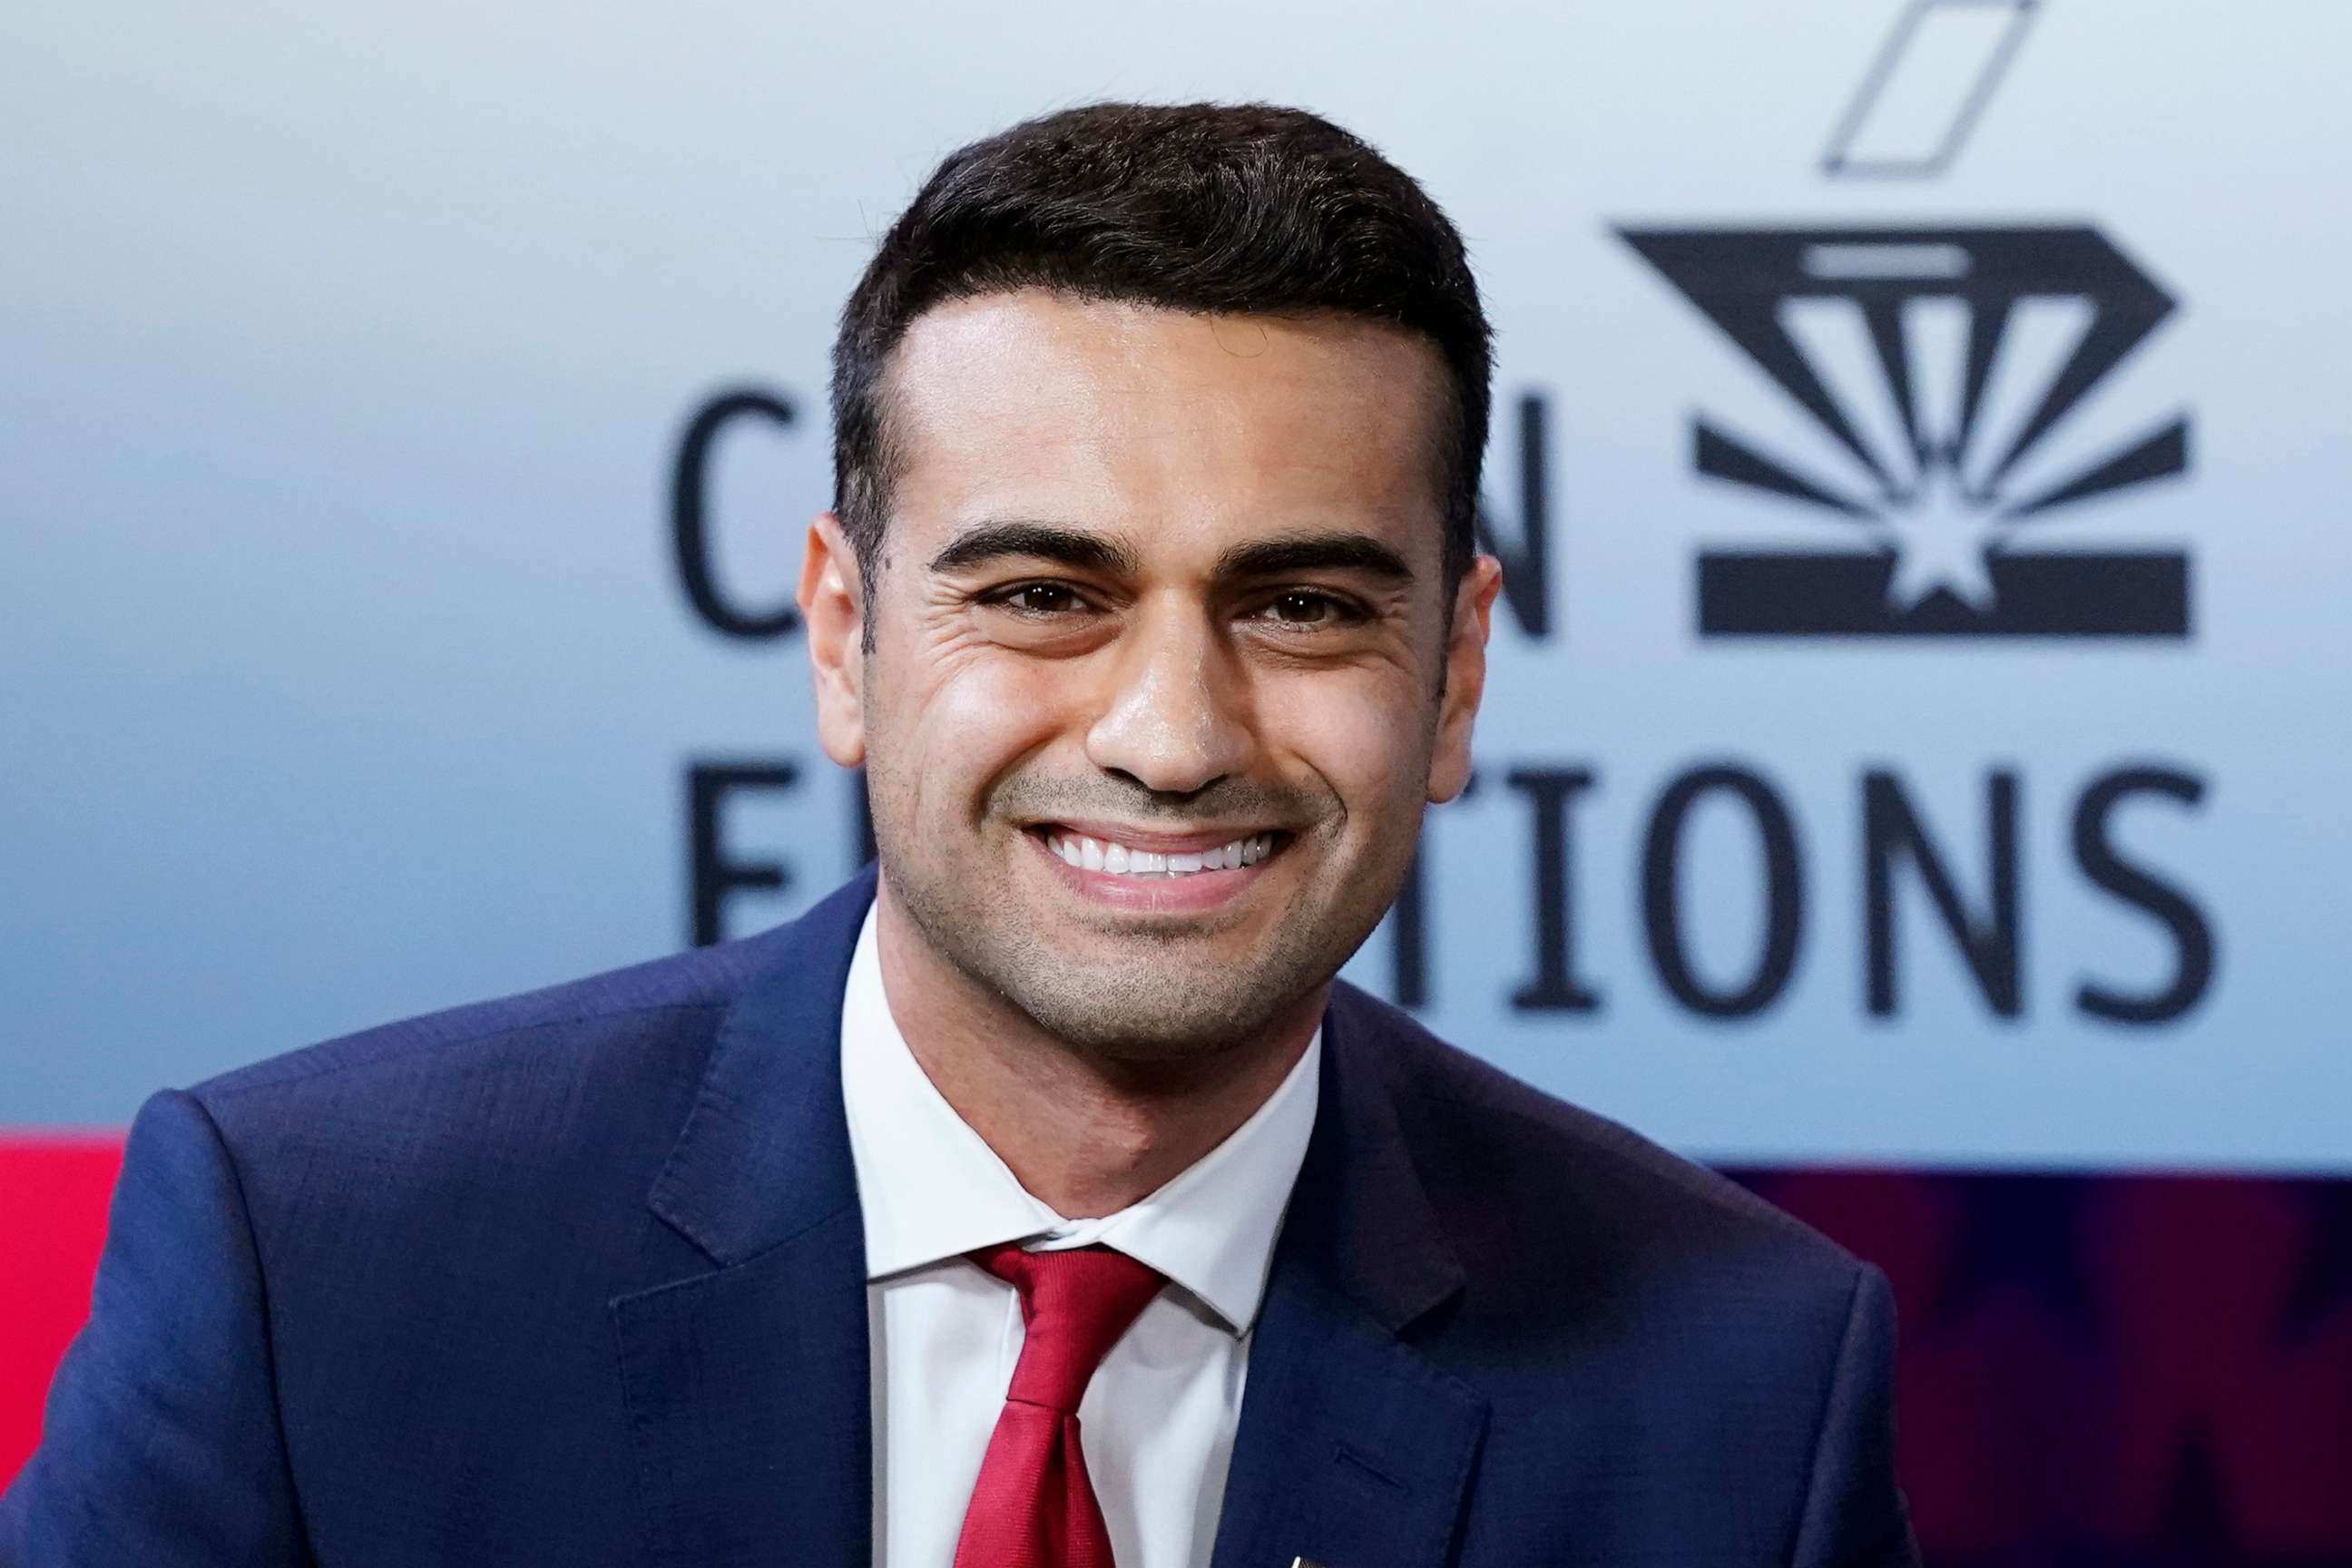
(1175, 994)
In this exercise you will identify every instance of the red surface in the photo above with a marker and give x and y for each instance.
(53, 1193)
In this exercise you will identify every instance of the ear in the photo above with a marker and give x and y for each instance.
(832, 605)
(1466, 679)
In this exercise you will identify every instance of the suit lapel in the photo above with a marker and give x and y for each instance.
(1353, 1452)
(747, 1385)
(747, 1405)
(1355, 1449)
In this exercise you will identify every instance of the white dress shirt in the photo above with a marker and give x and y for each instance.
(1158, 1420)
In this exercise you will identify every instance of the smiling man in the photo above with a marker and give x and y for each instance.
(1040, 1198)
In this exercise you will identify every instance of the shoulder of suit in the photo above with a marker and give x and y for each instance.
(1485, 1144)
(549, 1114)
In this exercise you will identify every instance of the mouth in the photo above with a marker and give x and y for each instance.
(1155, 854)
(1148, 868)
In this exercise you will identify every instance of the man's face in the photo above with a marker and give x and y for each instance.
(1160, 673)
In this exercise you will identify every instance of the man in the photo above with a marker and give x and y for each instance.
(1040, 1199)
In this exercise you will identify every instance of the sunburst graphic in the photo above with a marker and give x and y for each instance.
(1938, 374)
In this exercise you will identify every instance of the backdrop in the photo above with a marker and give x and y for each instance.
(1917, 732)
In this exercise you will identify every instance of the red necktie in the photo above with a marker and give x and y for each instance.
(1034, 1507)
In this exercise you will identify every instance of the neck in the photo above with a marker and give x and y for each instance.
(1085, 1133)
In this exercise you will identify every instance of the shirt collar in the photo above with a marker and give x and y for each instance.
(930, 1188)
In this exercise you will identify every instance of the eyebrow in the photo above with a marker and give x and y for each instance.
(1042, 541)
(1334, 552)
(1080, 548)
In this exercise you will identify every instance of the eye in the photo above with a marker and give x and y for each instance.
(1304, 607)
(1039, 599)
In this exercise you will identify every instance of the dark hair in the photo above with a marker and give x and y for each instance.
(1241, 208)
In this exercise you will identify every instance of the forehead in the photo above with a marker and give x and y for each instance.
(1164, 423)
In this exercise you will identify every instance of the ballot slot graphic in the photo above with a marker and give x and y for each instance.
(1945, 366)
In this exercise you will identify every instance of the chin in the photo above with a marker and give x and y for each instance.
(1176, 1013)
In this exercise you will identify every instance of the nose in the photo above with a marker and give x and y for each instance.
(1175, 722)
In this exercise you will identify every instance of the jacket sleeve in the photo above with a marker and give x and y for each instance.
(1854, 1515)
(160, 1444)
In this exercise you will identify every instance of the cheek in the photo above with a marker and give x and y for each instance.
(1367, 737)
(968, 716)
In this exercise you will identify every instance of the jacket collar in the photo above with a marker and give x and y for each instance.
(747, 1387)
(1355, 1446)
(764, 1153)
(1365, 1221)
(746, 1384)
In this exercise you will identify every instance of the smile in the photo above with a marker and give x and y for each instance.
(1089, 854)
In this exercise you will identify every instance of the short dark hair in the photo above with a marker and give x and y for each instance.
(1215, 208)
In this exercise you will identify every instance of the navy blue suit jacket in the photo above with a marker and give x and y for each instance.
(578, 1278)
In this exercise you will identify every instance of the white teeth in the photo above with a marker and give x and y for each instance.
(1097, 855)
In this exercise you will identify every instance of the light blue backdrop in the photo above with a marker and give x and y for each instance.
(345, 671)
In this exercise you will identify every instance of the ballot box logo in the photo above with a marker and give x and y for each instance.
(1942, 389)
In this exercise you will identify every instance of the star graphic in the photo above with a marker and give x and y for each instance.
(1942, 542)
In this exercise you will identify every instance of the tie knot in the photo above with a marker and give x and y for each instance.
(1075, 1303)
